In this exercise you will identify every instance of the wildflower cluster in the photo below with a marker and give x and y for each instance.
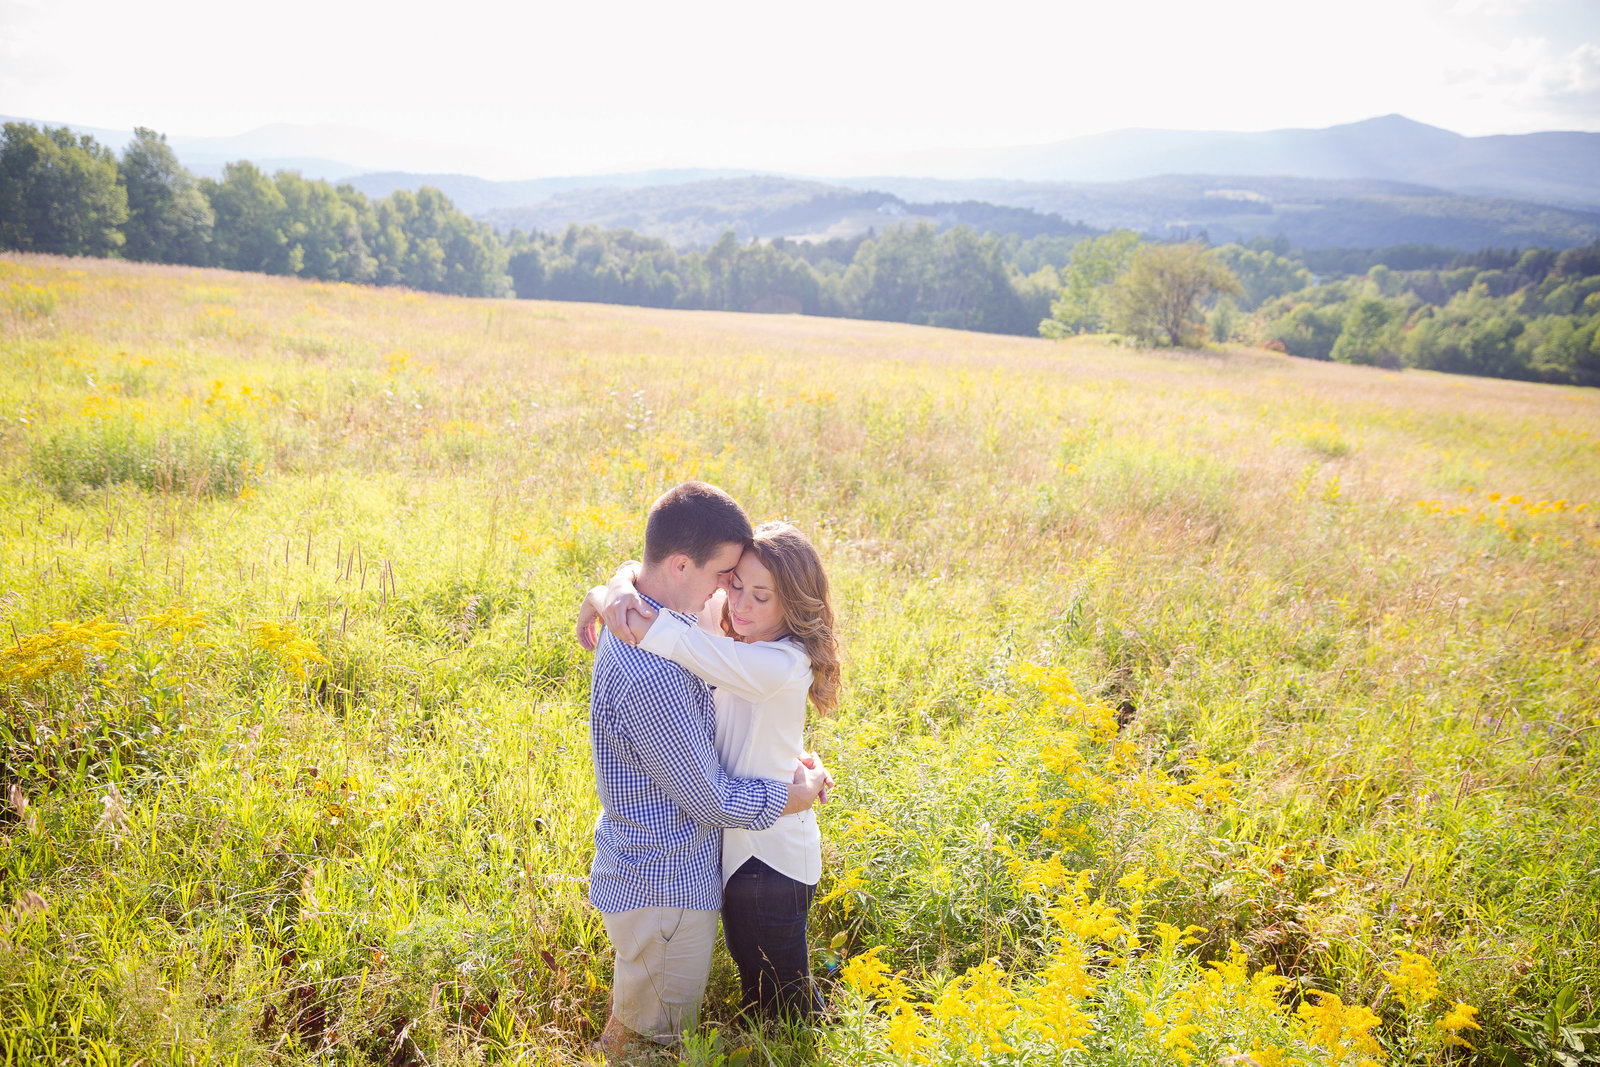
(1415, 982)
(226, 399)
(1084, 765)
(63, 648)
(1515, 516)
(286, 646)
(1108, 984)
(31, 300)
(178, 622)
(1322, 435)
(1104, 981)
(1109, 980)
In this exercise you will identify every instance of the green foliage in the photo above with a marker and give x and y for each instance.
(169, 218)
(912, 274)
(199, 457)
(1520, 313)
(443, 250)
(59, 193)
(1223, 320)
(1532, 315)
(1262, 274)
(250, 219)
(1157, 300)
(1083, 305)
(71, 197)
(905, 274)
(1369, 332)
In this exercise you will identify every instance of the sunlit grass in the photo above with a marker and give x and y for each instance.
(299, 731)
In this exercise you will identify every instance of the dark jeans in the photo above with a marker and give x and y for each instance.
(764, 923)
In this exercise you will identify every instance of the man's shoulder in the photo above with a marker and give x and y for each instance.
(623, 667)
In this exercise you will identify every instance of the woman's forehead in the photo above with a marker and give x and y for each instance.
(752, 571)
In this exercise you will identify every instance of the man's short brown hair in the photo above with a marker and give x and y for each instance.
(693, 519)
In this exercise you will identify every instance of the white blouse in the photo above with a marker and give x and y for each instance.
(761, 715)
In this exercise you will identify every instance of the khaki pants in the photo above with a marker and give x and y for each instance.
(663, 961)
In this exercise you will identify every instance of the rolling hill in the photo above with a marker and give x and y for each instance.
(1313, 214)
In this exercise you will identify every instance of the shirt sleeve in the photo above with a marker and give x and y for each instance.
(657, 715)
(754, 672)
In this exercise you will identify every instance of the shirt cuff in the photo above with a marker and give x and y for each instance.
(777, 800)
(662, 637)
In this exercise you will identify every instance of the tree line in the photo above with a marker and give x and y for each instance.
(68, 195)
(914, 274)
(1531, 314)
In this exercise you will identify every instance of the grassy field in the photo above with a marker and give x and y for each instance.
(1213, 708)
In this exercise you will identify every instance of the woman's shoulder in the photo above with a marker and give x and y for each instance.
(794, 649)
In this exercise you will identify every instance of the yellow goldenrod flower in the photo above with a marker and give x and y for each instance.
(869, 976)
(1415, 981)
(1459, 1018)
(286, 645)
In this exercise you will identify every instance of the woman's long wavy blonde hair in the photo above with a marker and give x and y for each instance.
(801, 586)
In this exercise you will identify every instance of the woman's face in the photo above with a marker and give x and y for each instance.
(753, 604)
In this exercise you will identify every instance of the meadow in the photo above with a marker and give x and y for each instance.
(1209, 708)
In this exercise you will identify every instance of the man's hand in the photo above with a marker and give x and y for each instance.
(587, 631)
(811, 784)
(811, 761)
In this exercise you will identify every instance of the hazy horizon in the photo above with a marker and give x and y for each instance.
(528, 93)
(206, 154)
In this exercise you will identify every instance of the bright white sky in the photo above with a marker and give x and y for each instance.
(540, 88)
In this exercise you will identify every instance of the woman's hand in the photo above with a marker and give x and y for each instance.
(622, 609)
(626, 615)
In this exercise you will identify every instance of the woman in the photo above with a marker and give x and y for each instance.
(767, 644)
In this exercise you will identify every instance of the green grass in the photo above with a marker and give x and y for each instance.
(304, 777)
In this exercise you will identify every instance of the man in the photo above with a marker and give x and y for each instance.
(657, 877)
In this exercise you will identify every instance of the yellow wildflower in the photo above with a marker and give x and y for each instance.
(1269, 1056)
(908, 1035)
(1171, 936)
(869, 976)
(63, 648)
(1414, 981)
(1459, 1018)
(1339, 1028)
(286, 645)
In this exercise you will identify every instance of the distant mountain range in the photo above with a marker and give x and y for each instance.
(1310, 213)
(1558, 168)
(1380, 182)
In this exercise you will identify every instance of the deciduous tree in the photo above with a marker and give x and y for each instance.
(1158, 298)
(1083, 305)
(250, 219)
(59, 193)
(169, 218)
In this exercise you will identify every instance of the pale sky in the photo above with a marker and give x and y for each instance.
(539, 88)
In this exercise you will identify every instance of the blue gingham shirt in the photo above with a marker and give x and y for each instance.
(664, 796)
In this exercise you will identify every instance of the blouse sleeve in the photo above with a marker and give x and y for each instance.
(753, 672)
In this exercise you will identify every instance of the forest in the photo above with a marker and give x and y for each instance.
(1529, 314)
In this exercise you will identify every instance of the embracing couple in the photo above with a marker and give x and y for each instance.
(709, 651)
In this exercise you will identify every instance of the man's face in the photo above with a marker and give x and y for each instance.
(700, 582)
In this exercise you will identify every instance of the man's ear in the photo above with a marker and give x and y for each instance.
(679, 564)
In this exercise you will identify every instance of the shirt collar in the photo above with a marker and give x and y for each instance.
(686, 616)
